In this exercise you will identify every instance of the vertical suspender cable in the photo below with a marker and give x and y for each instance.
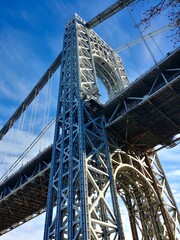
(35, 112)
(157, 46)
(46, 108)
(144, 40)
(8, 154)
(134, 61)
(31, 118)
(48, 103)
(150, 3)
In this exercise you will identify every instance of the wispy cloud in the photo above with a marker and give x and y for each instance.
(169, 157)
(30, 230)
(174, 174)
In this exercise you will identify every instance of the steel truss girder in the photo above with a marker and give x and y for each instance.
(145, 114)
(25, 174)
(128, 103)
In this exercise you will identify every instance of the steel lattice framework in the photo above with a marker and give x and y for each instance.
(81, 171)
(88, 168)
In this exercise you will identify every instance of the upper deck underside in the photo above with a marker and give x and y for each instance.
(147, 113)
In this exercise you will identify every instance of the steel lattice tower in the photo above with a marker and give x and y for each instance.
(88, 168)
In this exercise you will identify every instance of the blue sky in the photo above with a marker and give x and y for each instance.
(31, 35)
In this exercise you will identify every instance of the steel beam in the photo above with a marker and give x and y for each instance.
(110, 11)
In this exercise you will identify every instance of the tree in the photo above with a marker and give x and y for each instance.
(171, 9)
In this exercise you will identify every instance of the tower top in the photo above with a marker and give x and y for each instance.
(96, 60)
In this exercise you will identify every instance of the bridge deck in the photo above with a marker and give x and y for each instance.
(145, 114)
(23, 196)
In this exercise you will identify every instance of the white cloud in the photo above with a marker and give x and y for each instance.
(170, 157)
(32, 230)
(19, 67)
(174, 174)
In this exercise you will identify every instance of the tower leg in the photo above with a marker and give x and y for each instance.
(81, 185)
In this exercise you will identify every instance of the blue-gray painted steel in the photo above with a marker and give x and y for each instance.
(80, 151)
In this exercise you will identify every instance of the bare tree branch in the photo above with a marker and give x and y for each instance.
(171, 9)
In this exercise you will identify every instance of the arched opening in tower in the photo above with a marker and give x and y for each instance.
(103, 91)
(107, 78)
(141, 202)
